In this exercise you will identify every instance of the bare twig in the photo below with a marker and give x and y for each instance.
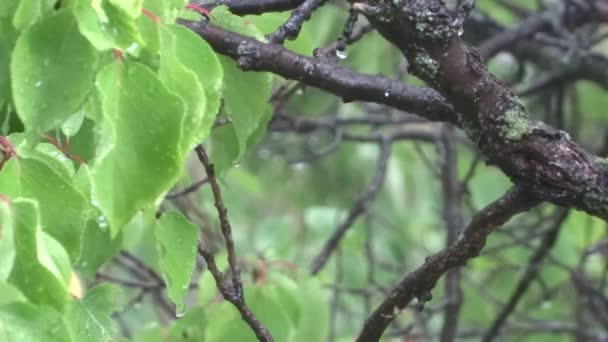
(420, 282)
(452, 215)
(531, 271)
(232, 292)
(291, 28)
(360, 206)
(187, 190)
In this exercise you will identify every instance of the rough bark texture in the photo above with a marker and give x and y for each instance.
(535, 156)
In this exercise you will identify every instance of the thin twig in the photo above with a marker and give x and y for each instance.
(187, 190)
(454, 222)
(232, 292)
(360, 206)
(529, 275)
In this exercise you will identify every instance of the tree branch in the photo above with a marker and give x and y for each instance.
(360, 206)
(232, 292)
(526, 279)
(420, 282)
(532, 154)
(324, 74)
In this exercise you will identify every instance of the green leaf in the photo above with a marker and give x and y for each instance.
(246, 97)
(313, 319)
(165, 10)
(9, 294)
(72, 125)
(196, 54)
(52, 70)
(22, 322)
(176, 239)
(150, 334)
(10, 184)
(184, 83)
(228, 325)
(34, 280)
(7, 8)
(54, 257)
(224, 147)
(246, 94)
(63, 209)
(130, 7)
(207, 290)
(84, 143)
(7, 247)
(190, 328)
(51, 156)
(5, 85)
(90, 319)
(106, 26)
(99, 247)
(30, 11)
(143, 160)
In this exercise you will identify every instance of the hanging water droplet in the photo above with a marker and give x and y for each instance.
(180, 312)
(102, 222)
(386, 94)
(133, 49)
(341, 54)
(460, 31)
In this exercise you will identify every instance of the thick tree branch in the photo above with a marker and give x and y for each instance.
(533, 155)
(244, 7)
(324, 74)
(420, 282)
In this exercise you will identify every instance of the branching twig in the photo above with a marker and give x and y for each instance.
(420, 282)
(531, 271)
(187, 190)
(232, 292)
(291, 28)
(360, 207)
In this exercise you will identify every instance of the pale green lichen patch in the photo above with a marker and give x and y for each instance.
(596, 202)
(516, 123)
(601, 161)
(425, 65)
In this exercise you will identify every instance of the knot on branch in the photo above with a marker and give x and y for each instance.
(248, 54)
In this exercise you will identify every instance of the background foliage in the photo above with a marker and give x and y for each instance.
(102, 104)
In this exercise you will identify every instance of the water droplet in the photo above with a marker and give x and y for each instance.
(298, 166)
(133, 48)
(179, 312)
(341, 54)
(460, 31)
(102, 221)
(386, 94)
